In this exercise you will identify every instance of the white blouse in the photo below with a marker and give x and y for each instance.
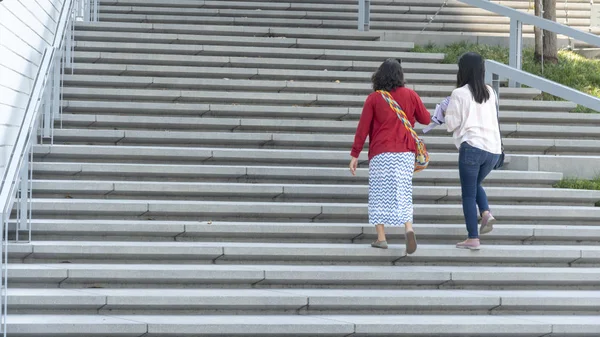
(474, 123)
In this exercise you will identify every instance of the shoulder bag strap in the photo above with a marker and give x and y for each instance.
(399, 112)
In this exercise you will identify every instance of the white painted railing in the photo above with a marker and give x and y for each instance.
(513, 71)
(495, 71)
(517, 19)
(37, 125)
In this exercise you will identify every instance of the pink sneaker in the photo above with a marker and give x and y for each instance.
(472, 244)
(487, 224)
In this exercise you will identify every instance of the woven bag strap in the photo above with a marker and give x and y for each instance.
(401, 115)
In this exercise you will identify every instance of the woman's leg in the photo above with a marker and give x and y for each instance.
(469, 167)
(404, 194)
(380, 232)
(484, 171)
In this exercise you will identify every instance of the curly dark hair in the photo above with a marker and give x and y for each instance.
(389, 76)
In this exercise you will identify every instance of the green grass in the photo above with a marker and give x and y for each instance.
(579, 184)
(572, 70)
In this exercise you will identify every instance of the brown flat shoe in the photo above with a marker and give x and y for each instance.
(411, 242)
(379, 244)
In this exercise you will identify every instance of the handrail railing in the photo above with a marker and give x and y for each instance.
(43, 108)
(517, 19)
(494, 71)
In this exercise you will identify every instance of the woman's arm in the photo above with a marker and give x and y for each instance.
(422, 115)
(364, 127)
(453, 114)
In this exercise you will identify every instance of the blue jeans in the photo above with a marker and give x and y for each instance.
(473, 166)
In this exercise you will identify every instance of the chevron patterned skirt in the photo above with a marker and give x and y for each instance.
(390, 188)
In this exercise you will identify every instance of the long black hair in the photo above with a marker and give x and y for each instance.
(471, 71)
(389, 76)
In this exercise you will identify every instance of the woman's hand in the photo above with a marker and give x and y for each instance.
(353, 165)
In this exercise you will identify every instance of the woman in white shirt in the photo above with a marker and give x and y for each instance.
(472, 118)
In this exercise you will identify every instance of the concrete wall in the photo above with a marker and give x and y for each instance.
(26, 28)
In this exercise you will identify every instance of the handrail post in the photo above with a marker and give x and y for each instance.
(496, 85)
(364, 15)
(80, 10)
(516, 48)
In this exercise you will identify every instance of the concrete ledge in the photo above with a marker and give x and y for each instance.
(227, 210)
(303, 252)
(270, 174)
(307, 300)
(65, 325)
(171, 274)
(584, 167)
(220, 97)
(255, 62)
(287, 86)
(314, 325)
(90, 111)
(303, 191)
(243, 51)
(240, 41)
(251, 134)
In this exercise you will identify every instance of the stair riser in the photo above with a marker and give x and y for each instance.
(153, 195)
(294, 310)
(416, 25)
(174, 177)
(220, 97)
(323, 11)
(517, 147)
(233, 51)
(235, 63)
(363, 88)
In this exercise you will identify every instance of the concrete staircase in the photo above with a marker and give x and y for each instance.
(198, 187)
(404, 15)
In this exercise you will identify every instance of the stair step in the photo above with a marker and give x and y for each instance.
(335, 131)
(211, 301)
(208, 155)
(183, 72)
(108, 36)
(305, 211)
(47, 229)
(332, 325)
(266, 140)
(69, 275)
(298, 253)
(272, 64)
(281, 86)
(221, 97)
(318, 33)
(243, 51)
(403, 23)
(326, 11)
(295, 192)
(150, 110)
(253, 173)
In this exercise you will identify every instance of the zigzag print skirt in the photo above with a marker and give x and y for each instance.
(390, 188)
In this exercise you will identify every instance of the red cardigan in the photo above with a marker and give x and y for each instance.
(385, 130)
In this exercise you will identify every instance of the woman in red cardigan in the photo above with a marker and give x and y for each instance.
(391, 153)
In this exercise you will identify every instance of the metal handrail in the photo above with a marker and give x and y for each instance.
(533, 20)
(517, 19)
(495, 70)
(43, 107)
